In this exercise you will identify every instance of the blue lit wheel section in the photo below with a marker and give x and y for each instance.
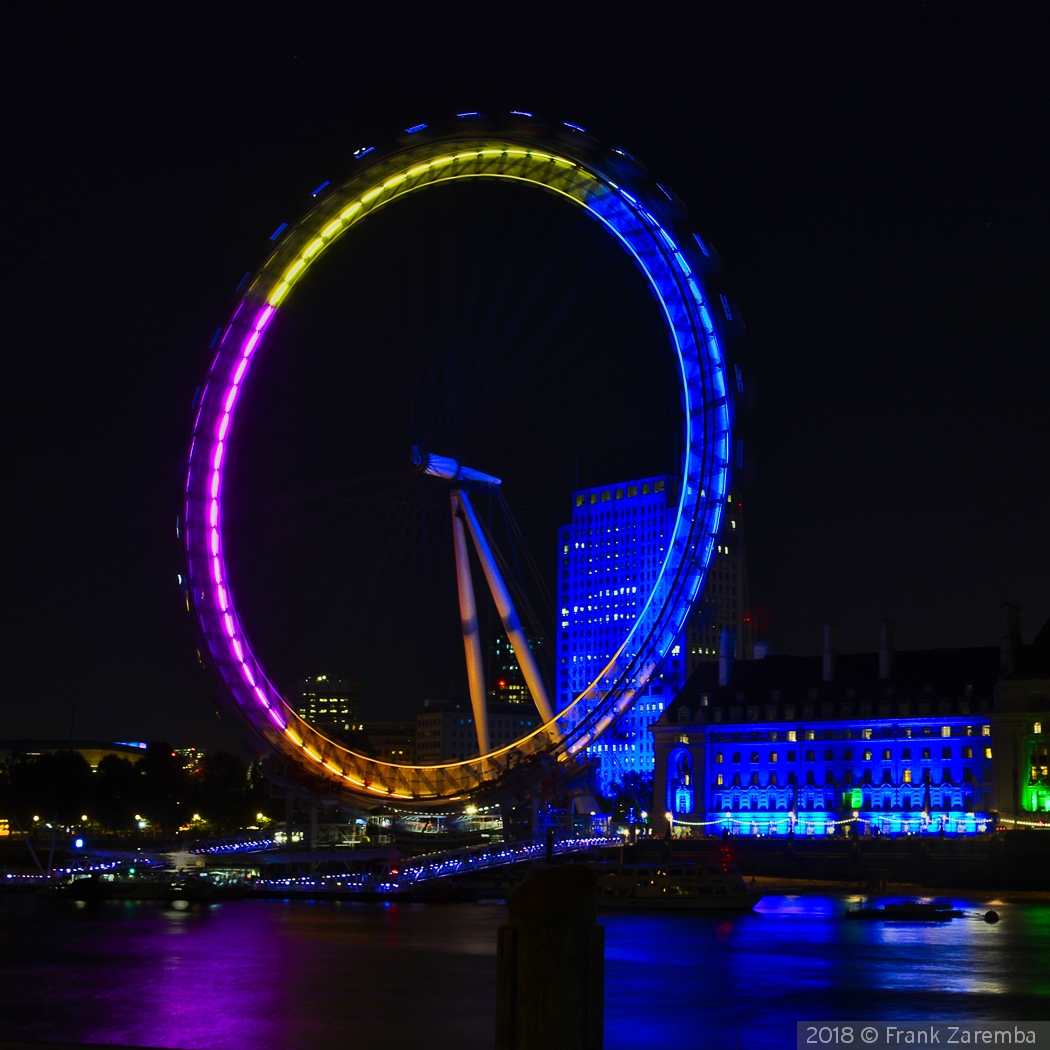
(640, 219)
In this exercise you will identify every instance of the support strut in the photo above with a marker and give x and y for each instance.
(468, 615)
(508, 614)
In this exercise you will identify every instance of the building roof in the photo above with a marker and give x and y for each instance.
(92, 750)
(33, 747)
(784, 678)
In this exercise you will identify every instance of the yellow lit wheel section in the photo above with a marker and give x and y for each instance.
(641, 222)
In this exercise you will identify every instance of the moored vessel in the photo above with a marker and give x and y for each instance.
(905, 911)
(149, 884)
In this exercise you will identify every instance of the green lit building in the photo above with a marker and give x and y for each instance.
(1021, 724)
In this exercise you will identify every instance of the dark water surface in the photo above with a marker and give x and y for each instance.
(298, 976)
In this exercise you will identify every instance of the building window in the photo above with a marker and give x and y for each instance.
(968, 776)
(946, 730)
(866, 733)
(847, 777)
(847, 755)
(885, 754)
(773, 779)
(926, 752)
(772, 756)
(736, 756)
(867, 754)
(718, 780)
(967, 752)
(809, 756)
(986, 730)
(792, 735)
(791, 756)
(906, 753)
(987, 752)
(718, 758)
(1037, 727)
(907, 776)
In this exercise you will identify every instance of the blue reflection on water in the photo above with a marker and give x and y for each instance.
(704, 981)
(291, 976)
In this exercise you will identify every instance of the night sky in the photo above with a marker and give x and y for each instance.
(874, 182)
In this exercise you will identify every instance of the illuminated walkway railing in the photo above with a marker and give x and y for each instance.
(478, 858)
(417, 871)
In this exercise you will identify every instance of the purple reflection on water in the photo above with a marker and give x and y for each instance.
(293, 976)
(252, 974)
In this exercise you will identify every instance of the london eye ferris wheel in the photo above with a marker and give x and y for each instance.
(515, 156)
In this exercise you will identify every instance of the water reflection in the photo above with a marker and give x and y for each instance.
(744, 983)
(292, 976)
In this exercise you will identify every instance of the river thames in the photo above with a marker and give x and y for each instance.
(275, 975)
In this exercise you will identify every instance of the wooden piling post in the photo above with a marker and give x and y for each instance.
(550, 985)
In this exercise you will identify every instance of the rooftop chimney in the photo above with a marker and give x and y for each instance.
(1010, 642)
(726, 656)
(831, 650)
(886, 649)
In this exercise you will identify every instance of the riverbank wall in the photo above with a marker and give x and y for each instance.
(1013, 860)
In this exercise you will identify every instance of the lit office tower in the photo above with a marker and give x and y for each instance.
(724, 605)
(329, 704)
(508, 683)
(609, 560)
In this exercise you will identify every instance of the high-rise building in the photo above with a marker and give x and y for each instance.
(508, 683)
(331, 705)
(609, 558)
(724, 605)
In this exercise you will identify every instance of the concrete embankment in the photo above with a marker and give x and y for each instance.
(1013, 860)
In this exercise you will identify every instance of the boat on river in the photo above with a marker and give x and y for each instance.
(905, 911)
(674, 887)
(149, 884)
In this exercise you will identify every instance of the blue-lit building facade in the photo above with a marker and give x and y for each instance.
(902, 742)
(609, 559)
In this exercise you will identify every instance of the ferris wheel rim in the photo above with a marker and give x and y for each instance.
(628, 212)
